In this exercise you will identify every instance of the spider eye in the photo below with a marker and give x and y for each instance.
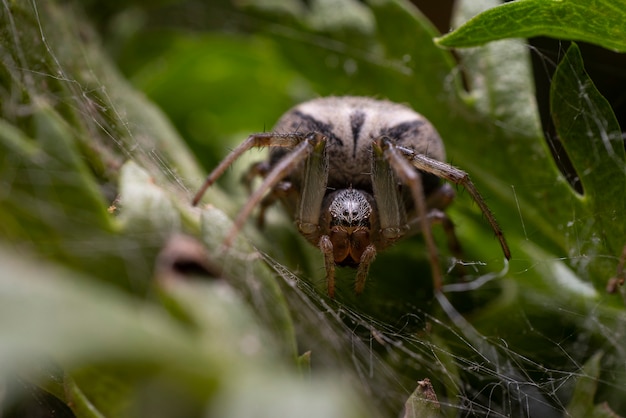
(350, 208)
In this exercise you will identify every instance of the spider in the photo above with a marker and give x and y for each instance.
(357, 174)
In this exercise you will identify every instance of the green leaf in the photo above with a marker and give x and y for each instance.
(46, 179)
(592, 138)
(123, 354)
(206, 84)
(64, 310)
(248, 272)
(599, 22)
(582, 402)
(375, 59)
(501, 126)
(35, 169)
(220, 316)
(61, 158)
(81, 405)
(499, 77)
(145, 207)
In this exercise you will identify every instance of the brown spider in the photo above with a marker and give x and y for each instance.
(357, 174)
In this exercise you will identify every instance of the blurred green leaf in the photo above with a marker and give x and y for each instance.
(145, 207)
(64, 138)
(67, 390)
(582, 402)
(248, 272)
(41, 303)
(599, 22)
(213, 86)
(132, 343)
(39, 167)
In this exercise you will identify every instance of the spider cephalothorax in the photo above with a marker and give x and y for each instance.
(357, 174)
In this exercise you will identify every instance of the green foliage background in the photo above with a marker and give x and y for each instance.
(95, 101)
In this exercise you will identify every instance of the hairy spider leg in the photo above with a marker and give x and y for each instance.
(456, 176)
(364, 265)
(437, 201)
(308, 144)
(253, 141)
(389, 203)
(436, 216)
(283, 190)
(413, 180)
(313, 190)
(326, 247)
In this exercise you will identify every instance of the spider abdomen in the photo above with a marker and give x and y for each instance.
(351, 124)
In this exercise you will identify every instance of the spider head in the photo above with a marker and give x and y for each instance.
(349, 231)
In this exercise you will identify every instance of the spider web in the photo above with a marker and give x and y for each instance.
(489, 378)
(474, 374)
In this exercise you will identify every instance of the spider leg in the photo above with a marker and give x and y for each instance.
(259, 169)
(437, 201)
(314, 181)
(390, 209)
(437, 216)
(412, 178)
(282, 191)
(457, 176)
(364, 265)
(290, 161)
(326, 247)
(253, 141)
(441, 197)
